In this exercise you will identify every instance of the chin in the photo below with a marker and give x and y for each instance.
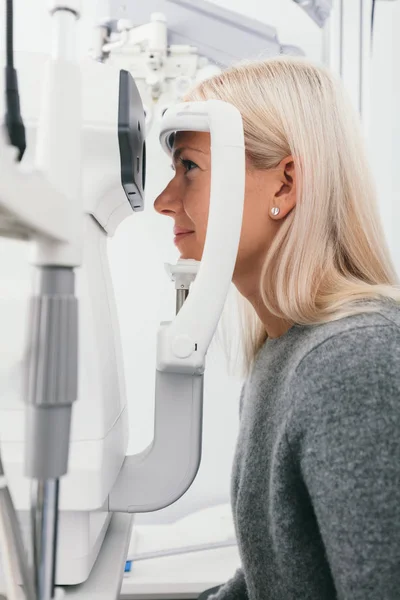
(186, 254)
(190, 250)
(191, 253)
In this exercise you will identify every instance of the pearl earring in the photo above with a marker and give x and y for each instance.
(275, 211)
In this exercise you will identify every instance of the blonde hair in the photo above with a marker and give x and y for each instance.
(330, 252)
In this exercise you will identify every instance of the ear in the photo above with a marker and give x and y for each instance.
(285, 197)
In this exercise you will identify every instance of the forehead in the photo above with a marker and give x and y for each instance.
(194, 139)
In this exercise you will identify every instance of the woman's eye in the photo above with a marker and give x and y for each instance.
(188, 164)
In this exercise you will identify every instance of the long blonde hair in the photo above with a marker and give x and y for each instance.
(330, 251)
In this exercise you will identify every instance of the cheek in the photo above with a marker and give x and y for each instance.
(256, 234)
(196, 205)
(200, 220)
(196, 202)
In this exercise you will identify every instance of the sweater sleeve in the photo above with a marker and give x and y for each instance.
(345, 437)
(234, 589)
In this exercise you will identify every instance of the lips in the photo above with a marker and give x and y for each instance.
(181, 233)
(181, 230)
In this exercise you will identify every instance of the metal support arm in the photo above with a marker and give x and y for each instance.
(162, 473)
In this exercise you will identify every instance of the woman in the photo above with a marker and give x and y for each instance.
(316, 476)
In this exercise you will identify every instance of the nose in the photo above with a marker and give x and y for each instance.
(168, 203)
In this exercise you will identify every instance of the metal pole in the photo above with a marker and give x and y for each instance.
(44, 530)
(51, 388)
(181, 296)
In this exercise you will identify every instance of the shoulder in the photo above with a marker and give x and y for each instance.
(350, 376)
(358, 343)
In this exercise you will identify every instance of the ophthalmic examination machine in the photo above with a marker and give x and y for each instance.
(63, 448)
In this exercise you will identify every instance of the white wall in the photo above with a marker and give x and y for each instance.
(32, 24)
(294, 27)
(384, 135)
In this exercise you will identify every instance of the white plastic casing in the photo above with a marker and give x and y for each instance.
(103, 196)
(183, 273)
(99, 434)
(183, 344)
(165, 470)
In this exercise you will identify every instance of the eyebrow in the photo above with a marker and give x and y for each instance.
(179, 151)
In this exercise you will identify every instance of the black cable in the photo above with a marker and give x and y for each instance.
(13, 120)
(9, 34)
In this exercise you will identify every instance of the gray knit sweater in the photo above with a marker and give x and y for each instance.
(316, 477)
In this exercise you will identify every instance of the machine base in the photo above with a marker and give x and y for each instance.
(105, 579)
(81, 535)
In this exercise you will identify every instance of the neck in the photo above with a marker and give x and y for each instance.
(248, 286)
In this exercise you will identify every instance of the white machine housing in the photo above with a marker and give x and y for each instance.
(99, 434)
(101, 479)
(165, 470)
(182, 347)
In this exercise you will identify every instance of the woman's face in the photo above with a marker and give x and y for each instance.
(186, 200)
